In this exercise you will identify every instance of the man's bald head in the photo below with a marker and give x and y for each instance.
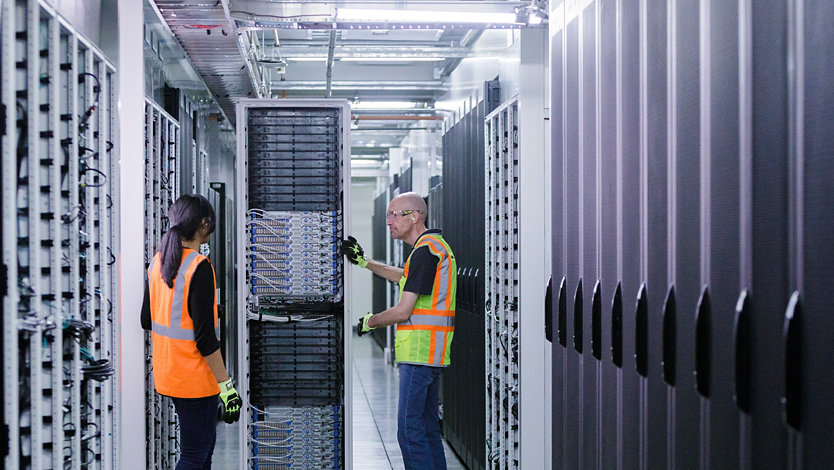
(411, 201)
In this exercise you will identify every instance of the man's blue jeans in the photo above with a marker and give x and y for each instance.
(198, 431)
(418, 425)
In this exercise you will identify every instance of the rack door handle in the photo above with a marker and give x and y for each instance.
(596, 322)
(742, 348)
(703, 344)
(473, 287)
(477, 298)
(669, 337)
(617, 326)
(467, 289)
(792, 344)
(563, 312)
(577, 318)
(460, 293)
(641, 333)
(548, 311)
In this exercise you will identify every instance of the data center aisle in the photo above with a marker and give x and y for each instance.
(375, 395)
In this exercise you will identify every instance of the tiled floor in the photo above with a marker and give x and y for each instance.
(375, 394)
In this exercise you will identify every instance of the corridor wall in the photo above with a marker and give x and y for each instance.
(691, 241)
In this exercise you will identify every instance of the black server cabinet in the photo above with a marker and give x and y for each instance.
(464, 405)
(379, 285)
(817, 273)
(692, 241)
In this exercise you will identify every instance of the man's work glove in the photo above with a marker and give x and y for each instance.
(354, 252)
(363, 324)
(231, 402)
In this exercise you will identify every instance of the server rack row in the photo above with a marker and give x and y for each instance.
(294, 349)
(501, 278)
(464, 405)
(60, 177)
(162, 187)
(379, 251)
(692, 243)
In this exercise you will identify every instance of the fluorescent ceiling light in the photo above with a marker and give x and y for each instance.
(385, 105)
(364, 59)
(422, 16)
(390, 59)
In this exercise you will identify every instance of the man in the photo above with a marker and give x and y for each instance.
(425, 319)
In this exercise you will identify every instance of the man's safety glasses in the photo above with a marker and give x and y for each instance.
(401, 213)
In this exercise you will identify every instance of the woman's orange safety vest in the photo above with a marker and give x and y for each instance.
(179, 370)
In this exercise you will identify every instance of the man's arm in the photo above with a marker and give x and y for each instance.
(396, 314)
(391, 273)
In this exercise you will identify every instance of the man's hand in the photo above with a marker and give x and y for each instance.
(231, 402)
(354, 252)
(363, 324)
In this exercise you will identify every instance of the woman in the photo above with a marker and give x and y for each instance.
(180, 308)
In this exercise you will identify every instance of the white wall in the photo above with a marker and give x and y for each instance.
(131, 432)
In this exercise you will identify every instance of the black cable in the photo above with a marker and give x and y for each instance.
(82, 125)
(83, 172)
(98, 370)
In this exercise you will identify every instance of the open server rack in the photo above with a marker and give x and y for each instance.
(292, 194)
(162, 187)
(502, 286)
(60, 243)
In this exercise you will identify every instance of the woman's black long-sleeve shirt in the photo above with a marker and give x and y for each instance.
(200, 307)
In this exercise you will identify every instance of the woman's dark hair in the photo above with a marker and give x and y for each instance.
(185, 217)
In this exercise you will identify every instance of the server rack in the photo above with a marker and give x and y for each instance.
(60, 188)
(294, 341)
(380, 285)
(689, 149)
(464, 405)
(501, 280)
(162, 187)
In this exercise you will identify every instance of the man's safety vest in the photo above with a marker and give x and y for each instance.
(179, 370)
(426, 337)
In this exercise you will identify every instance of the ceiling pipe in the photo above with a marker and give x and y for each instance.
(331, 49)
(357, 117)
(468, 40)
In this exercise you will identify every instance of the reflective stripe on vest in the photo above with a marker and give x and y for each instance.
(425, 338)
(174, 329)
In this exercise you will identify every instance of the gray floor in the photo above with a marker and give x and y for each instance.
(375, 395)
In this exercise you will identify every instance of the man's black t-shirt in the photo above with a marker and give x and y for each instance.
(422, 269)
